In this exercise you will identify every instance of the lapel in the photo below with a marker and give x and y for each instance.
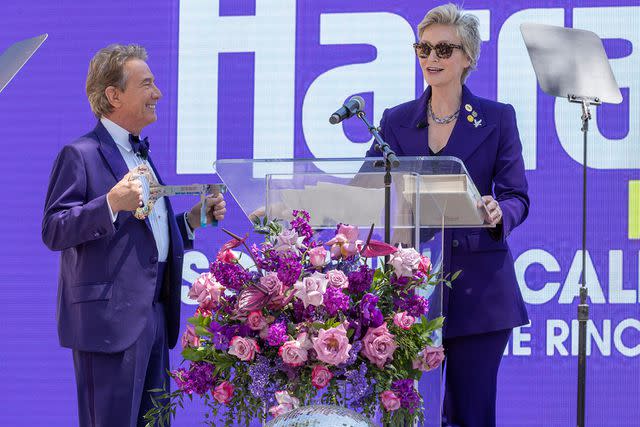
(114, 159)
(471, 128)
(413, 133)
(110, 152)
(467, 134)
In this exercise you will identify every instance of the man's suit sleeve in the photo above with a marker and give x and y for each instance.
(182, 226)
(510, 182)
(69, 219)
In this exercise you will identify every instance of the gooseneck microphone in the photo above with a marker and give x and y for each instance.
(351, 107)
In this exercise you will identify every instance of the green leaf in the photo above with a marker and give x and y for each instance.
(455, 275)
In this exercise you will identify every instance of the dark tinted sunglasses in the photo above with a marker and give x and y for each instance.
(443, 50)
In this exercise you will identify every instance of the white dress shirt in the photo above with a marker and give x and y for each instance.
(158, 216)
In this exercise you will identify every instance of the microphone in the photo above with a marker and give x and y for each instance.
(350, 108)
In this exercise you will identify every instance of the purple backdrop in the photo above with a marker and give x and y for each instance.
(253, 76)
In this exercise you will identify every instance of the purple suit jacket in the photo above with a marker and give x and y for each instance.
(485, 297)
(107, 270)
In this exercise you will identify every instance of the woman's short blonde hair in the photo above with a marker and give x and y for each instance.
(466, 25)
(107, 69)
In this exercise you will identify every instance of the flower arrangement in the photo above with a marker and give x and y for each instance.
(308, 324)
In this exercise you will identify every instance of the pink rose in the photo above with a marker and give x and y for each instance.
(189, 338)
(404, 262)
(424, 265)
(256, 321)
(226, 256)
(320, 376)
(206, 290)
(390, 401)
(332, 345)
(285, 404)
(223, 392)
(429, 358)
(295, 353)
(378, 345)
(270, 284)
(288, 241)
(244, 349)
(345, 243)
(318, 256)
(404, 320)
(311, 290)
(337, 279)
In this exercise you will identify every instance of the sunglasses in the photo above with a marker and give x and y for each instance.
(443, 50)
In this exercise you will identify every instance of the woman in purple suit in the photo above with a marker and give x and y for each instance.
(484, 303)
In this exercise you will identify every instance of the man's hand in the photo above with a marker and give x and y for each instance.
(216, 208)
(126, 195)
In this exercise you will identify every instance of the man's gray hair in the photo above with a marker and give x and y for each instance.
(107, 69)
(466, 25)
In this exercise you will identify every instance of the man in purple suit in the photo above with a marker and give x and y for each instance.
(120, 277)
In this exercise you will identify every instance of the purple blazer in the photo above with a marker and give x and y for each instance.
(485, 297)
(108, 270)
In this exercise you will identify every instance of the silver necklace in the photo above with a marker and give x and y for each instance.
(441, 120)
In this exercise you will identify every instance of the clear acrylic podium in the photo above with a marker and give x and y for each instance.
(428, 194)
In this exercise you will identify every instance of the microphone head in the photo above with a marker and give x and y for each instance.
(334, 119)
(359, 101)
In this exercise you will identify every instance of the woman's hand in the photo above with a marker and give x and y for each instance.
(492, 211)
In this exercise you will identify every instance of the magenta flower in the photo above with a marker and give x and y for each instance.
(285, 404)
(320, 376)
(223, 392)
(296, 352)
(390, 401)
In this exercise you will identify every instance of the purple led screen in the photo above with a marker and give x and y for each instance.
(259, 79)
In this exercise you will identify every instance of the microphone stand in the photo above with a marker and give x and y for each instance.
(390, 161)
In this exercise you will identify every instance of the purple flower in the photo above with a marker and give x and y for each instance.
(399, 282)
(369, 313)
(413, 304)
(262, 387)
(233, 276)
(353, 355)
(335, 301)
(360, 280)
(301, 225)
(199, 378)
(289, 268)
(407, 393)
(359, 387)
(277, 334)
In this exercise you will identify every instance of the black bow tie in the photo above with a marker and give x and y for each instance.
(140, 147)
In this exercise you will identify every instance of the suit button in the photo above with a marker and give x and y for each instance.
(153, 259)
(455, 243)
(96, 234)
